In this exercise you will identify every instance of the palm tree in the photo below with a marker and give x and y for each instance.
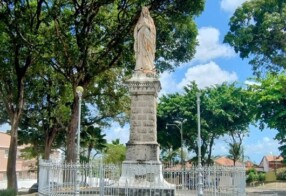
(235, 152)
(93, 139)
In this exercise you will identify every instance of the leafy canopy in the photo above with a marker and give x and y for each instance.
(257, 31)
(270, 98)
(225, 109)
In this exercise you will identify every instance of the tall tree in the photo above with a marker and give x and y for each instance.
(114, 152)
(169, 110)
(235, 145)
(257, 31)
(90, 39)
(270, 97)
(46, 111)
(93, 139)
(230, 111)
(225, 108)
(20, 43)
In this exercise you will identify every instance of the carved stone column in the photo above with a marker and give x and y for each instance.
(142, 145)
(142, 166)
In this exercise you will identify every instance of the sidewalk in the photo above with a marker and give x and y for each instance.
(22, 184)
(269, 189)
(32, 194)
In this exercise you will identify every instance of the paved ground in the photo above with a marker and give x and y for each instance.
(33, 194)
(22, 184)
(270, 189)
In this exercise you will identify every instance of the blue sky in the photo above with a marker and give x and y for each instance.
(213, 63)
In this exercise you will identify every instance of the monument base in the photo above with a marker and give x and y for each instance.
(133, 191)
(145, 176)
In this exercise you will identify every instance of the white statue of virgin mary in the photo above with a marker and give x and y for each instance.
(145, 42)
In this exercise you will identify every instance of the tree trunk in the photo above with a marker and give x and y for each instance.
(89, 152)
(210, 150)
(47, 149)
(12, 157)
(72, 130)
(50, 136)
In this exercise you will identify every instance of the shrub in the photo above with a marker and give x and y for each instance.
(251, 170)
(261, 177)
(8, 192)
(281, 176)
(251, 177)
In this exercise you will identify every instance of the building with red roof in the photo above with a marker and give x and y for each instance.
(223, 161)
(25, 169)
(271, 162)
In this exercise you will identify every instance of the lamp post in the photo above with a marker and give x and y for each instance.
(177, 122)
(79, 91)
(200, 184)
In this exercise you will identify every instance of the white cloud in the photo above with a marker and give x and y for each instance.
(209, 47)
(254, 150)
(207, 75)
(168, 83)
(5, 127)
(230, 5)
(117, 132)
(250, 83)
(220, 148)
(259, 148)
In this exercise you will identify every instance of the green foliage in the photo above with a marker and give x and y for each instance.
(93, 139)
(252, 175)
(20, 48)
(53, 46)
(270, 98)
(261, 177)
(235, 151)
(114, 153)
(169, 156)
(92, 46)
(257, 31)
(8, 192)
(47, 111)
(281, 175)
(225, 109)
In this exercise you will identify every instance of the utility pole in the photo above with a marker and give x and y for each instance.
(200, 184)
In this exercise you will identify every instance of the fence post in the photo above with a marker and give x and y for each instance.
(101, 176)
(43, 176)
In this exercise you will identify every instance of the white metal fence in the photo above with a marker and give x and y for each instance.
(56, 178)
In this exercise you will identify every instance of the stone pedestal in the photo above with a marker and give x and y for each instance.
(142, 167)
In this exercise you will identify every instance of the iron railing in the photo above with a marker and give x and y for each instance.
(57, 178)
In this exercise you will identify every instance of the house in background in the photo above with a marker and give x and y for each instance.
(24, 168)
(271, 163)
(250, 165)
(223, 161)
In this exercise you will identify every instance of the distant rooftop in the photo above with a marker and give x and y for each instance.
(227, 162)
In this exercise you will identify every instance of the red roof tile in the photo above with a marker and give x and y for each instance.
(227, 162)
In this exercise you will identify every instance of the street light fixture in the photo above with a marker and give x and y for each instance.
(200, 184)
(176, 123)
(79, 91)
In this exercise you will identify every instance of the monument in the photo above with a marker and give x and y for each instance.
(142, 167)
